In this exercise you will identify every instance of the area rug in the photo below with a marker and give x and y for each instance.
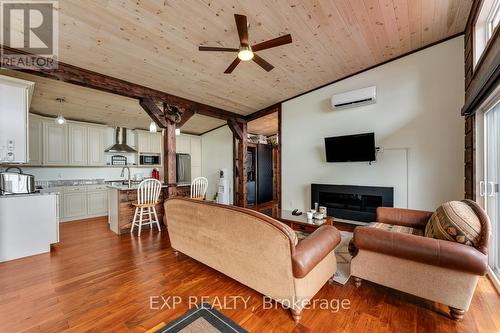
(343, 259)
(202, 319)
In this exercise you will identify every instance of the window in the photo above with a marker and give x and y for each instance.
(486, 23)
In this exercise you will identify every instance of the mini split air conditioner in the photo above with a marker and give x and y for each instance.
(354, 98)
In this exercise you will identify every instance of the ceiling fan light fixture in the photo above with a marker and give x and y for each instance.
(245, 53)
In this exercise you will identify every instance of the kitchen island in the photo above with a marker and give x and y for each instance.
(121, 211)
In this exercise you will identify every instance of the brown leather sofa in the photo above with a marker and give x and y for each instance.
(442, 271)
(254, 249)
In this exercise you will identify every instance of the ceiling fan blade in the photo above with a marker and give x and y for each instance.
(216, 48)
(242, 26)
(287, 39)
(233, 65)
(262, 63)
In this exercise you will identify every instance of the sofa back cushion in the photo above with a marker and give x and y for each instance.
(455, 221)
(245, 245)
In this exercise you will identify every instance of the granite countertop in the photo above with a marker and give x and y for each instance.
(126, 188)
(22, 195)
(135, 185)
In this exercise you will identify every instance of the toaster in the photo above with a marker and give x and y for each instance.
(16, 182)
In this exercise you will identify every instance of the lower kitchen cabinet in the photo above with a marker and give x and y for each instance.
(75, 204)
(97, 202)
(81, 202)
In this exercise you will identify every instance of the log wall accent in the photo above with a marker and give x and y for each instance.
(470, 157)
(480, 81)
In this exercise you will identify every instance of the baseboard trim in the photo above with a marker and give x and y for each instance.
(494, 279)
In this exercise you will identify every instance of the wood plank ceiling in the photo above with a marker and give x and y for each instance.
(266, 125)
(85, 104)
(154, 43)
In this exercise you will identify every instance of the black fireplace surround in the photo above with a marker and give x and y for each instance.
(357, 203)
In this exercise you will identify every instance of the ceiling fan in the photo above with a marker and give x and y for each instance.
(246, 52)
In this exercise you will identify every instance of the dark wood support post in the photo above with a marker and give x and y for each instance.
(169, 159)
(239, 130)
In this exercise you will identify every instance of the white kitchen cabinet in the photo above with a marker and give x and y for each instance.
(182, 144)
(35, 140)
(97, 202)
(195, 172)
(143, 141)
(149, 143)
(78, 144)
(15, 99)
(195, 151)
(55, 148)
(190, 144)
(156, 143)
(75, 202)
(95, 146)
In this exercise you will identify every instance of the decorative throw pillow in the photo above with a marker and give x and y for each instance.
(455, 221)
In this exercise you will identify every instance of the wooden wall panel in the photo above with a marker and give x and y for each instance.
(470, 157)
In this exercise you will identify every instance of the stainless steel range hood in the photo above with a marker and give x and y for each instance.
(120, 145)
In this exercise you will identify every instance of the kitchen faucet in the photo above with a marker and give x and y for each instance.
(123, 173)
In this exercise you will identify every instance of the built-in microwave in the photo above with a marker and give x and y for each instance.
(149, 159)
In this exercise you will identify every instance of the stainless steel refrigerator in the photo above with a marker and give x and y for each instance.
(183, 168)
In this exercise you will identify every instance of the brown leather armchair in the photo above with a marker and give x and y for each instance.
(439, 270)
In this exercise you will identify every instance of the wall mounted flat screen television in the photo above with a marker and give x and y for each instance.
(351, 148)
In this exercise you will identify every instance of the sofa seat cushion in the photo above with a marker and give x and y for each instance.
(398, 228)
(455, 221)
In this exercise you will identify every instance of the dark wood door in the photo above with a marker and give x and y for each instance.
(264, 173)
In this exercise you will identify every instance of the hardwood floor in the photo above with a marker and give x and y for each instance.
(97, 281)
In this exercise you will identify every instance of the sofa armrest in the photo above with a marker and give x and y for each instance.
(404, 217)
(422, 249)
(311, 250)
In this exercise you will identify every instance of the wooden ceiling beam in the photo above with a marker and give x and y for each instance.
(185, 117)
(89, 79)
(203, 109)
(264, 112)
(236, 128)
(150, 105)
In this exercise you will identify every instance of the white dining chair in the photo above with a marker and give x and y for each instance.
(199, 187)
(148, 194)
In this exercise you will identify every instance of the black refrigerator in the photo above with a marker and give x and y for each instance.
(264, 173)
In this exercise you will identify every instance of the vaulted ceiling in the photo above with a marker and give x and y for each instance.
(155, 43)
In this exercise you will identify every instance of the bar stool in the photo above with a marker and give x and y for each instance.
(148, 193)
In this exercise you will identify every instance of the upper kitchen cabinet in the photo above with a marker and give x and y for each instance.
(15, 98)
(95, 146)
(148, 143)
(35, 140)
(78, 144)
(195, 150)
(73, 143)
(55, 148)
(183, 144)
(190, 144)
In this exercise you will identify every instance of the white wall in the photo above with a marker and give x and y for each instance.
(419, 98)
(217, 153)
